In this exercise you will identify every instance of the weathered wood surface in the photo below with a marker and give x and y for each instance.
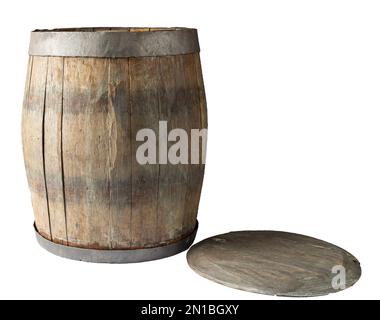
(86, 151)
(120, 147)
(173, 183)
(145, 114)
(274, 263)
(53, 149)
(33, 142)
(80, 120)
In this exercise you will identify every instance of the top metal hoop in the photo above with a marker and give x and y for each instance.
(113, 42)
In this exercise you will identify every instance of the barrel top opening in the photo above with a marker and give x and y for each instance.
(116, 42)
(114, 29)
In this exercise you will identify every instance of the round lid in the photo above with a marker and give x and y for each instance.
(274, 263)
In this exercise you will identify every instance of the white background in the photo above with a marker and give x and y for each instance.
(293, 91)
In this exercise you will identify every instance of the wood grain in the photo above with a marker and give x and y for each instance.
(53, 149)
(121, 156)
(33, 143)
(144, 110)
(273, 263)
(85, 142)
(195, 172)
(173, 177)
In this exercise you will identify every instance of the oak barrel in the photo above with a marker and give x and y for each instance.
(88, 93)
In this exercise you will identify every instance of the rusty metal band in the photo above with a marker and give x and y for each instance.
(118, 43)
(116, 256)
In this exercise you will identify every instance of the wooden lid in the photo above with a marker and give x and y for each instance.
(113, 42)
(274, 263)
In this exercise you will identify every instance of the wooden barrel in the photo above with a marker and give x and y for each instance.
(88, 93)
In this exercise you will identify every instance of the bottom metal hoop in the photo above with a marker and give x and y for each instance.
(116, 256)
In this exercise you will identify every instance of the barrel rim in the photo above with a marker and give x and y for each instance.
(113, 29)
(113, 42)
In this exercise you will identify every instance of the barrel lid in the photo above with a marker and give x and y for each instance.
(274, 263)
(113, 42)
